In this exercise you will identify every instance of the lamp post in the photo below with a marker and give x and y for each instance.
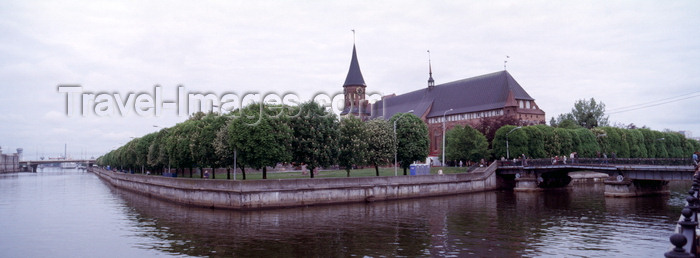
(396, 173)
(443, 135)
(508, 147)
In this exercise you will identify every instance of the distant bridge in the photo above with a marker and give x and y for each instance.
(628, 177)
(31, 165)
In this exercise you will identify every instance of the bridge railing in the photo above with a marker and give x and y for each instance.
(685, 240)
(598, 162)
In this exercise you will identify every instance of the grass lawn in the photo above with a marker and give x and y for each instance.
(365, 172)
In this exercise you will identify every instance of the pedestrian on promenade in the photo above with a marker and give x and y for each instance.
(524, 159)
(571, 157)
(605, 158)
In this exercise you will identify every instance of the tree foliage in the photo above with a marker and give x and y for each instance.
(315, 136)
(158, 156)
(381, 144)
(585, 113)
(180, 143)
(517, 141)
(465, 144)
(261, 137)
(352, 143)
(489, 125)
(412, 139)
(588, 145)
(224, 148)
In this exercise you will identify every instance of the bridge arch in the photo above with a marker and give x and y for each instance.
(628, 177)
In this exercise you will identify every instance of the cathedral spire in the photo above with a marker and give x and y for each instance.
(354, 77)
(354, 88)
(431, 82)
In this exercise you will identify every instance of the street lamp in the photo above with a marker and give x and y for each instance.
(508, 147)
(443, 135)
(397, 142)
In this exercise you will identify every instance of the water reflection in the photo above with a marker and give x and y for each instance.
(578, 221)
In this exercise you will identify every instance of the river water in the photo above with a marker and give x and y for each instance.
(68, 213)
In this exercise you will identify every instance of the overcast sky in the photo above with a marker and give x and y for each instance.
(627, 54)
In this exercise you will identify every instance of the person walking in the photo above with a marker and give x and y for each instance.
(571, 157)
(614, 156)
(605, 158)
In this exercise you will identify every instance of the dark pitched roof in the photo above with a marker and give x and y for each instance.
(485, 92)
(355, 110)
(354, 77)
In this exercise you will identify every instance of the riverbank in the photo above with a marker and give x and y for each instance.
(260, 194)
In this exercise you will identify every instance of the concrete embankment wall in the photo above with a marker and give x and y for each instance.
(257, 194)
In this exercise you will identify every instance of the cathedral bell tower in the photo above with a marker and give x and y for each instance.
(354, 90)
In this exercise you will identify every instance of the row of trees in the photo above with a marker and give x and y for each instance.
(260, 136)
(584, 130)
(541, 141)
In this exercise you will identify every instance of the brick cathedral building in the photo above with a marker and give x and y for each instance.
(462, 102)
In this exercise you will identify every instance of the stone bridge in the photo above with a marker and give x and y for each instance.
(31, 165)
(628, 177)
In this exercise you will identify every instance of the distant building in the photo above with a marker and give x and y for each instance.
(9, 162)
(470, 100)
(687, 134)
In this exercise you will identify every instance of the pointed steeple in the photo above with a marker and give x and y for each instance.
(354, 77)
(431, 82)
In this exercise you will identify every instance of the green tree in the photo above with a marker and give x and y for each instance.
(381, 144)
(465, 144)
(489, 125)
(142, 148)
(224, 148)
(649, 142)
(689, 146)
(564, 121)
(660, 144)
(262, 138)
(694, 146)
(201, 148)
(128, 155)
(673, 143)
(227, 147)
(586, 113)
(565, 140)
(214, 123)
(614, 140)
(635, 140)
(315, 136)
(352, 143)
(588, 143)
(179, 142)
(517, 141)
(158, 155)
(412, 139)
(552, 147)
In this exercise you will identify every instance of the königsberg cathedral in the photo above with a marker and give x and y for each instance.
(461, 102)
